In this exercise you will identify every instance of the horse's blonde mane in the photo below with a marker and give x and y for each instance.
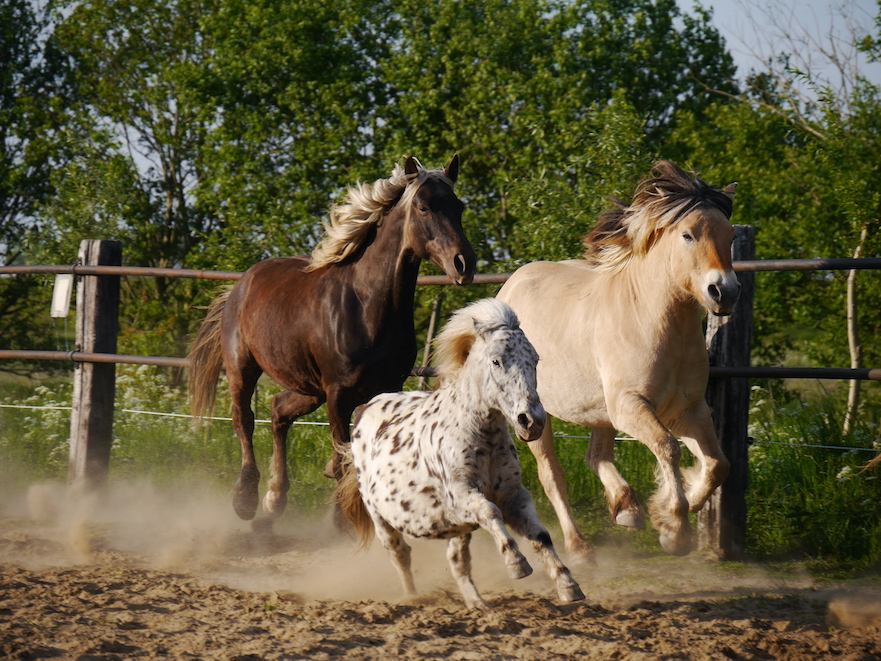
(659, 203)
(454, 343)
(365, 205)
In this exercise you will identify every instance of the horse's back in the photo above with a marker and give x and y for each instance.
(389, 438)
(556, 304)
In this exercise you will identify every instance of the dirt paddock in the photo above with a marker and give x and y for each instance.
(145, 574)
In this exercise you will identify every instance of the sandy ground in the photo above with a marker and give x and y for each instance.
(145, 574)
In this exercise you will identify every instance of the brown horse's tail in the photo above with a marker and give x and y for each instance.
(348, 498)
(206, 359)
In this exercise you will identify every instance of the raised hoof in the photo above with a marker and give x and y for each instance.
(676, 546)
(245, 502)
(570, 593)
(630, 519)
(274, 504)
(519, 569)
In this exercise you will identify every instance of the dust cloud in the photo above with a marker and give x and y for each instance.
(99, 575)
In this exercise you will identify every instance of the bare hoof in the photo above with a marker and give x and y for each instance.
(680, 545)
(570, 592)
(245, 500)
(274, 504)
(519, 569)
(580, 553)
(477, 605)
(633, 519)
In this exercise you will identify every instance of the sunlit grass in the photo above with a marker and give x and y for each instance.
(807, 504)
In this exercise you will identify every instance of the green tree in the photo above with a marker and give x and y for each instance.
(211, 135)
(33, 95)
(514, 86)
(810, 185)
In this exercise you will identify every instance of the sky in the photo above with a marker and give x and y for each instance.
(755, 30)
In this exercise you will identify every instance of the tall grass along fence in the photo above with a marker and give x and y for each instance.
(722, 522)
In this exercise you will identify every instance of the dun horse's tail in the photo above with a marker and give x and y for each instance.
(348, 498)
(206, 359)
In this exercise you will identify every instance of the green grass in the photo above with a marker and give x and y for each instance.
(809, 505)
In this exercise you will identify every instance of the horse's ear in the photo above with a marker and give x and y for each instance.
(452, 170)
(482, 327)
(411, 166)
(729, 190)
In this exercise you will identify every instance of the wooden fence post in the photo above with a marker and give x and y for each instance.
(722, 521)
(94, 384)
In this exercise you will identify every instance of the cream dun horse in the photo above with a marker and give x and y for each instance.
(622, 347)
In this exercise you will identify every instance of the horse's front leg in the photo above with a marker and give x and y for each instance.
(287, 406)
(668, 507)
(696, 430)
(520, 514)
(459, 559)
(473, 506)
(552, 479)
(624, 506)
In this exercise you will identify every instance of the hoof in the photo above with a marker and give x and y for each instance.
(630, 519)
(570, 593)
(580, 553)
(519, 569)
(274, 504)
(245, 502)
(478, 605)
(676, 546)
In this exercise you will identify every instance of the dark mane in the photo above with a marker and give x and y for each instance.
(658, 203)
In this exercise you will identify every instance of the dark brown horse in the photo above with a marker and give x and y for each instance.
(336, 327)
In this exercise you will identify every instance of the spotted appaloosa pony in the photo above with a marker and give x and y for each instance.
(441, 464)
(622, 346)
(337, 327)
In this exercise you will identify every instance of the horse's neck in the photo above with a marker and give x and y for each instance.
(465, 399)
(387, 270)
(648, 295)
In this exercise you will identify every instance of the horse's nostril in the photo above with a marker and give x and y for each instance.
(715, 294)
(524, 420)
(460, 264)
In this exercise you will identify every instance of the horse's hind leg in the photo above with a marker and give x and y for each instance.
(341, 403)
(552, 479)
(521, 515)
(242, 380)
(399, 551)
(624, 506)
(696, 430)
(287, 406)
(459, 559)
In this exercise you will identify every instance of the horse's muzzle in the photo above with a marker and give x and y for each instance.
(530, 426)
(722, 295)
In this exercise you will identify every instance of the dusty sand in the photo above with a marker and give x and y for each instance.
(146, 574)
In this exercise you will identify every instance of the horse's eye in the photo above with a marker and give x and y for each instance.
(496, 363)
(688, 237)
(424, 211)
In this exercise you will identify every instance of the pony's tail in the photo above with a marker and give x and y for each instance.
(351, 505)
(206, 360)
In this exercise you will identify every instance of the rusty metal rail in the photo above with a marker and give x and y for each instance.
(758, 265)
(754, 266)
